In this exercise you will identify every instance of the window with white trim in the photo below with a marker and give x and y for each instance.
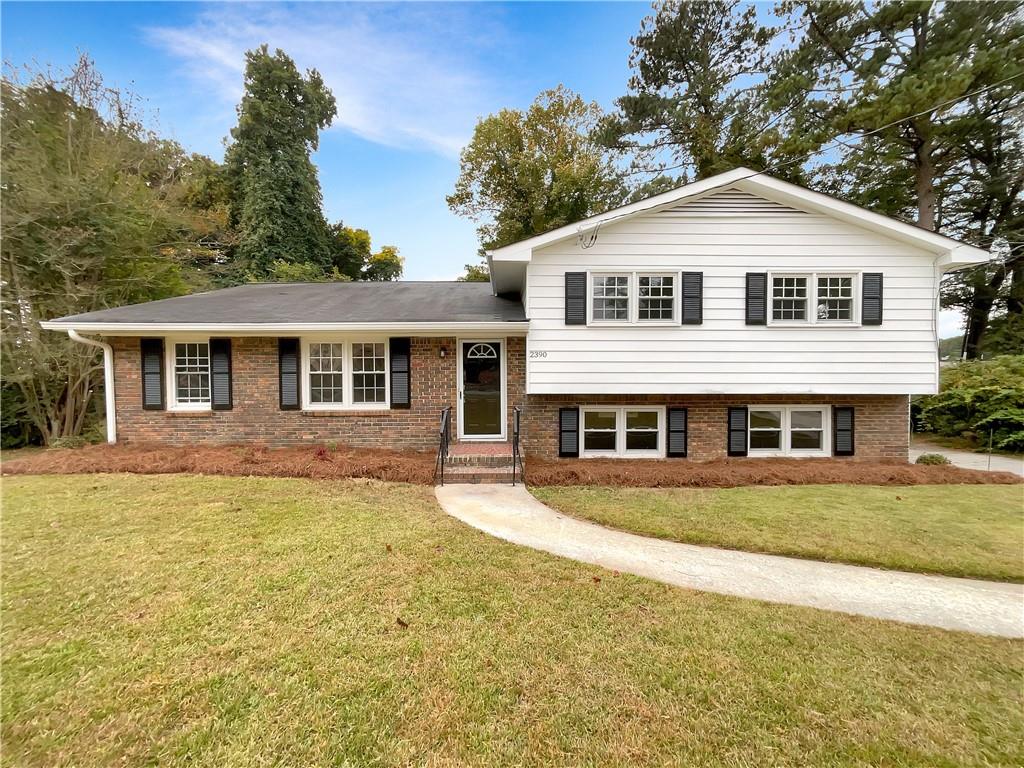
(656, 297)
(610, 297)
(623, 431)
(813, 298)
(343, 374)
(368, 363)
(191, 374)
(327, 373)
(788, 430)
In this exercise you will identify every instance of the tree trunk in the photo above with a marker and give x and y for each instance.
(924, 183)
(985, 294)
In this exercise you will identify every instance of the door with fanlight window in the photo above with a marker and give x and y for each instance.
(481, 390)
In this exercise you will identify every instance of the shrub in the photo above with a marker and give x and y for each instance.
(77, 441)
(976, 396)
(932, 458)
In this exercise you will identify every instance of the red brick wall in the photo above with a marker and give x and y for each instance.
(881, 421)
(256, 415)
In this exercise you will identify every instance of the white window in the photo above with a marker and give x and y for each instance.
(368, 385)
(623, 431)
(342, 374)
(813, 298)
(835, 297)
(327, 374)
(797, 430)
(610, 297)
(656, 297)
(189, 366)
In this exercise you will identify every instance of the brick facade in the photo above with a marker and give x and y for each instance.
(881, 421)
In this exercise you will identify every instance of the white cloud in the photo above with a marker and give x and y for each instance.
(403, 76)
(951, 323)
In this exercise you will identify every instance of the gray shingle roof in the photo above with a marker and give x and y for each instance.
(359, 302)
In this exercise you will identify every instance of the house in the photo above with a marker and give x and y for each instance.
(740, 315)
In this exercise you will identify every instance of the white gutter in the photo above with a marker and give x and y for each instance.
(108, 380)
(277, 329)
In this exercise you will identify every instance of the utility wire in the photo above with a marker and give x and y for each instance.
(833, 145)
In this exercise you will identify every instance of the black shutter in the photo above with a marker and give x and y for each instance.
(575, 298)
(693, 298)
(842, 430)
(152, 374)
(220, 374)
(757, 298)
(676, 433)
(871, 299)
(737, 432)
(288, 368)
(401, 395)
(568, 432)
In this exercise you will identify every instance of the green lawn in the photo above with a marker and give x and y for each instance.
(213, 621)
(958, 530)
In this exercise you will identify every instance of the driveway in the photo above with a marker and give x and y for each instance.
(968, 459)
(511, 513)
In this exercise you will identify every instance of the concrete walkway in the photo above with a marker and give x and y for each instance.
(511, 513)
(968, 459)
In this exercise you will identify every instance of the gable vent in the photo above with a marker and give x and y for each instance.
(732, 202)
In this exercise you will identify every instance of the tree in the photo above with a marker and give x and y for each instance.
(476, 273)
(352, 256)
(93, 216)
(275, 194)
(696, 99)
(527, 172)
(927, 98)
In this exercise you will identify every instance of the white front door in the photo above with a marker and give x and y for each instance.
(481, 389)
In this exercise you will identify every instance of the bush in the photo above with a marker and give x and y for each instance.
(932, 458)
(976, 396)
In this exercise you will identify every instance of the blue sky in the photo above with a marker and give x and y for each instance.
(410, 80)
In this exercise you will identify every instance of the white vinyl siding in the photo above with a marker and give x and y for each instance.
(724, 355)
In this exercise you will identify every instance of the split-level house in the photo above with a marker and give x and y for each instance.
(740, 315)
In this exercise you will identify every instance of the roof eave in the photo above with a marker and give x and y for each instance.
(277, 329)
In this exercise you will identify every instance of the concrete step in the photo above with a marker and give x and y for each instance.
(464, 474)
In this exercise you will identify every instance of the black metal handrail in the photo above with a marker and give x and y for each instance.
(517, 414)
(444, 438)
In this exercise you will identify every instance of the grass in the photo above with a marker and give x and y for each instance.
(213, 621)
(957, 530)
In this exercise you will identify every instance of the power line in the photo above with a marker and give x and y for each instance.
(821, 150)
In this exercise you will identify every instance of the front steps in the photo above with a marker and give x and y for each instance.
(480, 463)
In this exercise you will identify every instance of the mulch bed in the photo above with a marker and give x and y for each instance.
(409, 467)
(729, 473)
(236, 460)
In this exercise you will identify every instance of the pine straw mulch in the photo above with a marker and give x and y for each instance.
(409, 467)
(729, 473)
(236, 460)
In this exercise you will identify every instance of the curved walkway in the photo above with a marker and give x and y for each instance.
(511, 513)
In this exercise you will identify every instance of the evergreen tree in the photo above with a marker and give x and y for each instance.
(276, 203)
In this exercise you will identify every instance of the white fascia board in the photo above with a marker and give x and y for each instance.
(801, 197)
(761, 184)
(964, 256)
(522, 250)
(278, 329)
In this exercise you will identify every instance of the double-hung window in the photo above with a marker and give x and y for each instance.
(634, 297)
(813, 298)
(190, 375)
(610, 297)
(788, 430)
(623, 431)
(656, 297)
(344, 374)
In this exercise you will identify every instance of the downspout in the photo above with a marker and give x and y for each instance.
(108, 380)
